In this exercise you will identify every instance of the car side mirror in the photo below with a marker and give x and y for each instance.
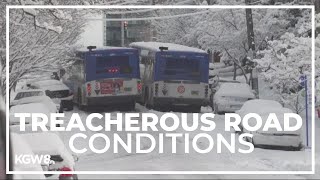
(48, 93)
(75, 158)
(56, 158)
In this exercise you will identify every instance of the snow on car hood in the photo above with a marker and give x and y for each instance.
(234, 90)
(27, 108)
(259, 105)
(49, 103)
(52, 85)
(49, 143)
(20, 146)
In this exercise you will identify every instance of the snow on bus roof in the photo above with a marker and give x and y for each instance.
(100, 48)
(154, 46)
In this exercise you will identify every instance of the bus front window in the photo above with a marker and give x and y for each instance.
(176, 68)
(113, 65)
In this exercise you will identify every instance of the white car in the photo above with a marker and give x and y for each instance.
(271, 138)
(35, 95)
(27, 108)
(231, 96)
(20, 146)
(45, 100)
(55, 90)
(48, 143)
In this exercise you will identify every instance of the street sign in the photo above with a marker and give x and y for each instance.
(305, 83)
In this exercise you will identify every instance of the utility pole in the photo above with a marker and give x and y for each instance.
(122, 32)
(252, 49)
(250, 32)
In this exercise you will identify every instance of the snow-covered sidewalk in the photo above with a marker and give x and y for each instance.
(259, 160)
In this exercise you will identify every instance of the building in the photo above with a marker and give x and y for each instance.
(122, 33)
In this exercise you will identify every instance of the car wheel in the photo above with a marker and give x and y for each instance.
(299, 148)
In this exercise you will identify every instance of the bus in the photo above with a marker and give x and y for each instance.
(105, 76)
(173, 76)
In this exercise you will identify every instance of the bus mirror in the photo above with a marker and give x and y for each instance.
(91, 47)
(163, 48)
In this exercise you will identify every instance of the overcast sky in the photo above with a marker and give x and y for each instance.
(93, 35)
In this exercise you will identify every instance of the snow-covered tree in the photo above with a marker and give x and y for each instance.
(282, 64)
(40, 39)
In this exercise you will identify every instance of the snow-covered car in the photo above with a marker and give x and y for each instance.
(231, 96)
(27, 108)
(48, 143)
(55, 90)
(45, 100)
(270, 138)
(33, 96)
(20, 146)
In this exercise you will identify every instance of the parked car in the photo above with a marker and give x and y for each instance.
(270, 138)
(55, 90)
(231, 96)
(20, 146)
(27, 108)
(26, 93)
(48, 143)
(45, 100)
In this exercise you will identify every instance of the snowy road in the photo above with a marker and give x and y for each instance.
(260, 159)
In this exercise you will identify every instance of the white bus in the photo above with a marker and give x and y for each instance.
(174, 75)
(106, 76)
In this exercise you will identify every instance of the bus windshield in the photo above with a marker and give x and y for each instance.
(181, 67)
(113, 65)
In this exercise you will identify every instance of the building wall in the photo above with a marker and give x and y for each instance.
(133, 32)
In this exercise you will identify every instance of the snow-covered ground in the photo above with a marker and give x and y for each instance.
(259, 160)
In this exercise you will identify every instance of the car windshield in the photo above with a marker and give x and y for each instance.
(21, 95)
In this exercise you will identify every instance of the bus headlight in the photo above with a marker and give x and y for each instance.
(89, 89)
(139, 86)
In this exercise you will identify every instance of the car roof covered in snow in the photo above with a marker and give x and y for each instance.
(20, 146)
(103, 48)
(48, 143)
(34, 99)
(260, 106)
(154, 46)
(51, 85)
(29, 90)
(235, 90)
